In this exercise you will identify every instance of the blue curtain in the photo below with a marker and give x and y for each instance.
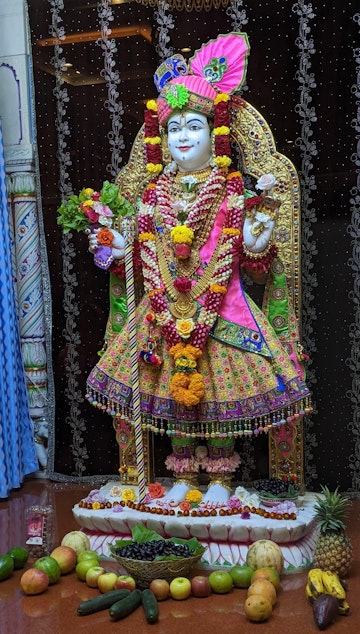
(17, 449)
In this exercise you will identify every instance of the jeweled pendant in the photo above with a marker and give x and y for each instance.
(183, 307)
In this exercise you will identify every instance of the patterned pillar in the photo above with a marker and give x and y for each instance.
(31, 304)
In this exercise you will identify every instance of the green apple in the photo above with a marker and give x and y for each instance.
(220, 581)
(50, 566)
(87, 554)
(180, 588)
(83, 566)
(93, 575)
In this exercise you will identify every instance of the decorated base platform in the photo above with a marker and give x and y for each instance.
(226, 537)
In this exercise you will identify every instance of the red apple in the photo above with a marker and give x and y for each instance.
(200, 586)
(93, 575)
(66, 558)
(34, 581)
(160, 588)
(180, 588)
(106, 582)
(125, 582)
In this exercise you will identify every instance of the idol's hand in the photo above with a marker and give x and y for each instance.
(257, 232)
(117, 246)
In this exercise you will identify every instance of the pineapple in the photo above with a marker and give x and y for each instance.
(333, 549)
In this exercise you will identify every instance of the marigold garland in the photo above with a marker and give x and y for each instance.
(152, 139)
(187, 384)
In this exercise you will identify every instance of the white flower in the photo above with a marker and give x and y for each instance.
(201, 452)
(235, 201)
(102, 210)
(246, 498)
(171, 168)
(105, 221)
(266, 182)
(145, 210)
(189, 182)
(261, 218)
(115, 491)
(180, 206)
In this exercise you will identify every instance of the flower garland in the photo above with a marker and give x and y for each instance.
(187, 385)
(152, 139)
(222, 131)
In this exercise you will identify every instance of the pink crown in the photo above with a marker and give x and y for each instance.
(218, 66)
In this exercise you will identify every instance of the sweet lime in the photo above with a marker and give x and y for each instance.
(220, 581)
(241, 575)
(87, 554)
(6, 566)
(20, 556)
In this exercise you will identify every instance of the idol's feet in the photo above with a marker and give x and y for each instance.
(218, 491)
(178, 491)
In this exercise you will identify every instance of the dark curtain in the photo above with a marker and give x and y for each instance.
(274, 89)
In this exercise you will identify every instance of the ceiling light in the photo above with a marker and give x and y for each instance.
(186, 49)
(68, 64)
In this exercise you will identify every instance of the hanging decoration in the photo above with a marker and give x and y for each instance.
(73, 392)
(307, 145)
(187, 5)
(112, 78)
(164, 22)
(354, 335)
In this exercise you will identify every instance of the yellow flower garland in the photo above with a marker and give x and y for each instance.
(182, 235)
(187, 388)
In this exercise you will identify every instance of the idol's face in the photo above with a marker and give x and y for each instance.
(189, 140)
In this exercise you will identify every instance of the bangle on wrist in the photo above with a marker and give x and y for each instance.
(256, 256)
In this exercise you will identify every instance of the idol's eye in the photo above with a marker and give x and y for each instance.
(173, 129)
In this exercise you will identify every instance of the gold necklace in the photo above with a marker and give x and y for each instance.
(201, 176)
(188, 267)
(183, 305)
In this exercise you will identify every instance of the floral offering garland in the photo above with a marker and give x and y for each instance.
(186, 337)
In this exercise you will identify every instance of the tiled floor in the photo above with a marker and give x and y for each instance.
(54, 612)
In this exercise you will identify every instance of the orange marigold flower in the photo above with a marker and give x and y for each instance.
(105, 237)
(154, 291)
(217, 288)
(233, 175)
(230, 231)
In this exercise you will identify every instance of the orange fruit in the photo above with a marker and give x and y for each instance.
(257, 608)
(264, 588)
(267, 573)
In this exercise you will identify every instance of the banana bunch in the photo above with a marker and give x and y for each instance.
(326, 582)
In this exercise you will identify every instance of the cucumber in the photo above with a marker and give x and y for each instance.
(102, 602)
(150, 605)
(122, 608)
